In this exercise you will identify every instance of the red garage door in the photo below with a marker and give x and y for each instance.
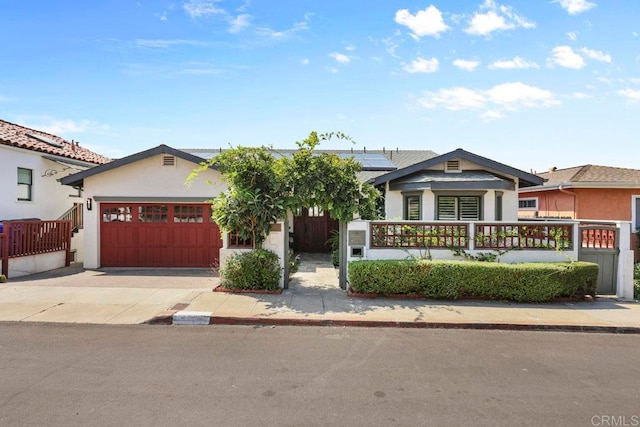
(158, 235)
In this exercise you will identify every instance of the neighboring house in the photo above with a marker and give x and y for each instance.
(32, 164)
(589, 192)
(458, 185)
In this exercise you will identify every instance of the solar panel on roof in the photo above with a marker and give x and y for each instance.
(45, 139)
(371, 161)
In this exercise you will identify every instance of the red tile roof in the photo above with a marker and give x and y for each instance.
(31, 139)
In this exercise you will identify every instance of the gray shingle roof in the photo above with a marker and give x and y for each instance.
(400, 158)
(592, 174)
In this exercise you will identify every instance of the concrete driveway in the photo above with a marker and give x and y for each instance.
(108, 296)
(162, 278)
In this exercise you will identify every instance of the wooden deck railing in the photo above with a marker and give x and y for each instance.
(76, 215)
(473, 235)
(24, 238)
(4, 252)
(524, 236)
(598, 237)
(419, 235)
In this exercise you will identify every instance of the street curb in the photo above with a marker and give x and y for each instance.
(166, 319)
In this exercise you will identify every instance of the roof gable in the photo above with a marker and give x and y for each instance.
(525, 179)
(78, 178)
(18, 136)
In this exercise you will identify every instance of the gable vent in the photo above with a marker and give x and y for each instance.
(168, 160)
(452, 166)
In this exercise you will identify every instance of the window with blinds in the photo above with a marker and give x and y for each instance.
(412, 208)
(465, 208)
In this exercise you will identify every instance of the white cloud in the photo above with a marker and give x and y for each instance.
(631, 94)
(349, 48)
(427, 22)
(518, 94)
(494, 101)
(58, 127)
(515, 63)
(580, 95)
(496, 18)
(421, 65)
(573, 35)
(197, 9)
(163, 17)
(332, 70)
(465, 64)
(284, 34)
(491, 115)
(457, 98)
(576, 6)
(340, 58)
(304, 61)
(565, 57)
(239, 23)
(596, 55)
(391, 47)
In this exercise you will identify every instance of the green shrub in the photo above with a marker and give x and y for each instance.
(3, 278)
(258, 269)
(530, 282)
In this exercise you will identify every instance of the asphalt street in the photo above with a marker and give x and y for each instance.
(63, 375)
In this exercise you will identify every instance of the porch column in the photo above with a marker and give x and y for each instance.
(342, 250)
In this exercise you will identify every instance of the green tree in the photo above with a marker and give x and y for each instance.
(263, 184)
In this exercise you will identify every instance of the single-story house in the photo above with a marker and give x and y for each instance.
(589, 192)
(140, 213)
(458, 185)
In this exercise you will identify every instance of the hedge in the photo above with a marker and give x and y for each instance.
(526, 282)
(258, 269)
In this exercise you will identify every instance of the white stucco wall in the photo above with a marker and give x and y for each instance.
(23, 266)
(394, 205)
(142, 179)
(50, 198)
(277, 242)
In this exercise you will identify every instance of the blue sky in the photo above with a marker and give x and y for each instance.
(530, 83)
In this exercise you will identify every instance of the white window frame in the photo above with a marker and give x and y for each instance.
(528, 199)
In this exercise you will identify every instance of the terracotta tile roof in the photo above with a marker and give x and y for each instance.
(592, 174)
(31, 139)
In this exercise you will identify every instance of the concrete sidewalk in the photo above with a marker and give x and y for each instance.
(181, 297)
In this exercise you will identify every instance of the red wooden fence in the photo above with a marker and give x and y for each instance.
(24, 238)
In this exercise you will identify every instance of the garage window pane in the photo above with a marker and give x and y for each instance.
(117, 214)
(152, 213)
(188, 214)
